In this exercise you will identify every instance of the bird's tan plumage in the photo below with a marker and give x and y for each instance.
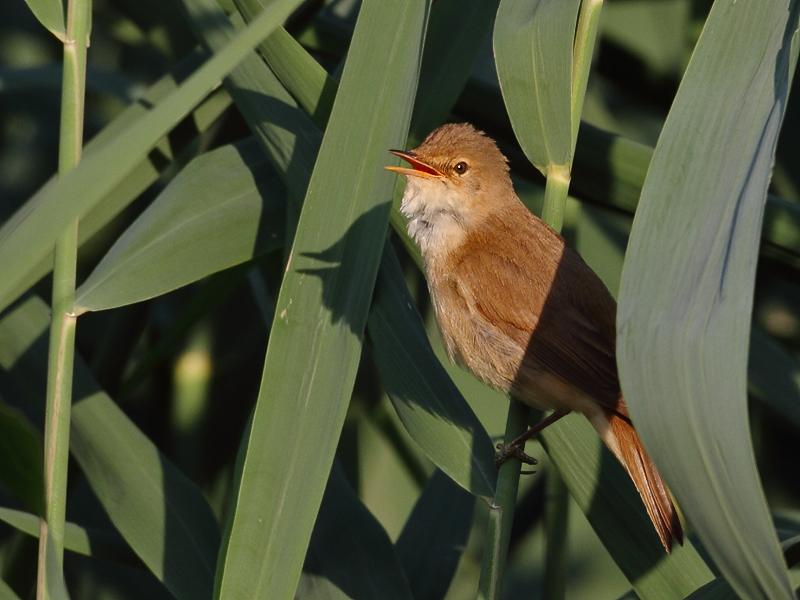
(515, 305)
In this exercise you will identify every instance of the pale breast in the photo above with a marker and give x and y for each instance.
(470, 340)
(434, 216)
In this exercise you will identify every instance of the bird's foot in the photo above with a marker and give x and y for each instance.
(512, 450)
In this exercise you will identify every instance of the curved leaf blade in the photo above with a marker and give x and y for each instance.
(323, 302)
(533, 53)
(687, 285)
(773, 373)
(50, 13)
(221, 210)
(138, 486)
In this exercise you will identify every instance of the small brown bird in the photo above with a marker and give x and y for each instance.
(515, 305)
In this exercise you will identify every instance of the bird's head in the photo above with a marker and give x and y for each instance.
(454, 178)
(459, 157)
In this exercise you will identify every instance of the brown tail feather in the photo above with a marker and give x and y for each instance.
(646, 478)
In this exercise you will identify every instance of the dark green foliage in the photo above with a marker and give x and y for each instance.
(222, 224)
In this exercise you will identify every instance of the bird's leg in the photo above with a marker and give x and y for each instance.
(515, 447)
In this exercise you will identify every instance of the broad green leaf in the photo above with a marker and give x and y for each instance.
(149, 168)
(223, 209)
(50, 14)
(82, 540)
(21, 468)
(434, 537)
(427, 402)
(160, 513)
(29, 235)
(687, 285)
(321, 310)
(533, 53)
(350, 548)
(162, 516)
(773, 374)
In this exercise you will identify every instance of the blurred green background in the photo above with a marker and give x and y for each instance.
(185, 367)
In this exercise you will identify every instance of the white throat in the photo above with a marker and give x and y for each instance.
(435, 215)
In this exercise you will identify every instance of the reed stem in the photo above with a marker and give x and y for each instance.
(501, 510)
(555, 196)
(585, 39)
(62, 330)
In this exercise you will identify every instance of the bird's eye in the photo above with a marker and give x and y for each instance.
(461, 167)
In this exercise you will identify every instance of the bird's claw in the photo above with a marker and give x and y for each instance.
(506, 451)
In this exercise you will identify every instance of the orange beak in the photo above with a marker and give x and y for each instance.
(419, 168)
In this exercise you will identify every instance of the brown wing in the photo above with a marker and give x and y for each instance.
(551, 303)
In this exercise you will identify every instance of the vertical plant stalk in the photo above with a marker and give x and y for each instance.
(585, 39)
(62, 330)
(555, 195)
(501, 511)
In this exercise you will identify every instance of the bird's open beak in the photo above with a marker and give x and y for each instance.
(419, 168)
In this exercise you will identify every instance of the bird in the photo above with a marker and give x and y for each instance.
(516, 306)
